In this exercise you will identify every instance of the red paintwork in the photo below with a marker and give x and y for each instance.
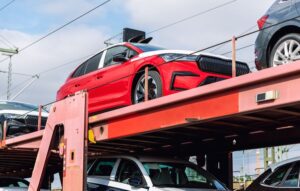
(113, 88)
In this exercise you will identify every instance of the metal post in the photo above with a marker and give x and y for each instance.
(233, 56)
(40, 118)
(146, 83)
(4, 130)
(9, 78)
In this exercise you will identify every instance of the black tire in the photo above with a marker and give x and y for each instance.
(152, 75)
(286, 38)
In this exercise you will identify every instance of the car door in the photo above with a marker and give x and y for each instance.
(112, 88)
(127, 169)
(284, 178)
(72, 84)
(82, 78)
(100, 174)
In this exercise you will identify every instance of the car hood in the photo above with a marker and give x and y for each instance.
(159, 52)
(22, 112)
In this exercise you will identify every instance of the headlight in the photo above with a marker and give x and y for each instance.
(178, 57)
(10, 115)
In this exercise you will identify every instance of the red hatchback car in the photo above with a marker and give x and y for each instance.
(114, 77)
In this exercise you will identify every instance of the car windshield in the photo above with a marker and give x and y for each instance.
(179, 175)
(147, 47)
(12, 182)
(7, 105)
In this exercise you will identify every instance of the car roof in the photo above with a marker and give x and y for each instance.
(275, 166)
(148, 158)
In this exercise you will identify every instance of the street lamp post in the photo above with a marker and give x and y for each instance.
(9, 53)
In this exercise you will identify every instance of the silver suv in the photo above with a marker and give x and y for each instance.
(121, 173)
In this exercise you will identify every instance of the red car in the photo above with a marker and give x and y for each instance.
(114, 77)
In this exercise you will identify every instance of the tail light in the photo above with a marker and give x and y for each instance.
(262, 21)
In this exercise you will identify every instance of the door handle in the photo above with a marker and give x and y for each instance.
(77, 85)
(99, 77)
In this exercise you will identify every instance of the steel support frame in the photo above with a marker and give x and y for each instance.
(70, 114)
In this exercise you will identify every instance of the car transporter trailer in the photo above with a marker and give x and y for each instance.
(256, 110)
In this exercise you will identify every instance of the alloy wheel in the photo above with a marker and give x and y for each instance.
(139, 93)
(288, 51)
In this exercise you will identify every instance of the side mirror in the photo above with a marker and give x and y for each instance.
(135, 182)
(120, 58)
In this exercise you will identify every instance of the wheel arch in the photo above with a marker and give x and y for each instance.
(139, 73)
(279, 34)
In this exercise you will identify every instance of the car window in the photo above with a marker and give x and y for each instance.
(114, 51)
(79, 71)
(103, 167)
(128, 169)
(93, 63)
(11, 182)
(292, 180)
(180, 175)
(275, 178)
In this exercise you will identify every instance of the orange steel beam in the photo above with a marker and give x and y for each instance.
(229, 97)
(71, 114)
(27, 141)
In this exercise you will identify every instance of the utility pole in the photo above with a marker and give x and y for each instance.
(9, 53)
(269, 157)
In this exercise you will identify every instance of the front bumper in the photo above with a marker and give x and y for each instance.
(17, 127)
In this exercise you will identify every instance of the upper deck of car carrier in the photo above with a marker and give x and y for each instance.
(255, 110)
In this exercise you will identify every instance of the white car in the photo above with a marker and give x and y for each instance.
(122, 173)
(21, 117)
(13, 184)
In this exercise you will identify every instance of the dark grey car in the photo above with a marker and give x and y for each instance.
(279, 44)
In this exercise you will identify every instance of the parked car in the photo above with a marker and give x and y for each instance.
(21, 118)
(118, 173)
(283, 176)
(279, 44)
(114, 77)
(13, 184)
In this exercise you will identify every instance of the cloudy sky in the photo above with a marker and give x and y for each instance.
(24, 21)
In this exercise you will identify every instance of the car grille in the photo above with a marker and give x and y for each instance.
(221, 66)
(210, 80)
(33, 120)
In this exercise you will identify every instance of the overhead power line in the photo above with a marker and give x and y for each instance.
(64, 25)
(246, 31)
(43, 72)
(7, 42)
(181, 20)
(59, 28)
(239, 49)
(15, 73)
(6, 5)
(193, 16)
